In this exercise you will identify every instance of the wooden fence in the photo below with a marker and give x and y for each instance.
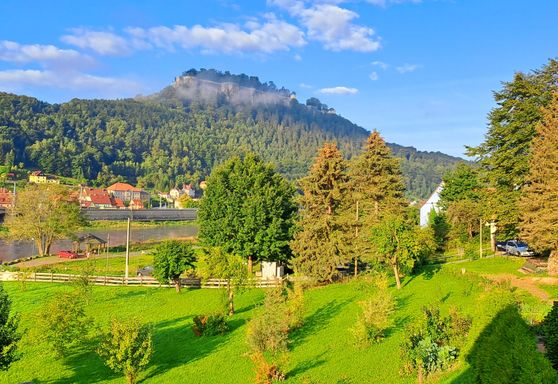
(130, 281)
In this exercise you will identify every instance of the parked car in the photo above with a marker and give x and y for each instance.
(518, 248)
(145, 271)
(67, 255)
(501, 246)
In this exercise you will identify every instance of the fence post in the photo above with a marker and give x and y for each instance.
(51, 277)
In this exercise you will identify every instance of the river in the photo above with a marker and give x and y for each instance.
(19, 249)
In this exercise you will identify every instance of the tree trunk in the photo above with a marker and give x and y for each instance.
(131, 377)
(553, 263)
(396, 273)
(47, 247)
(231, 299)
(420, 374)
(250, 265)
(177, 284)
(39, 244)
(356, 239)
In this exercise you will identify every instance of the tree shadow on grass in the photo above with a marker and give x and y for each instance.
(306, 365)
(175, 344)
(427, 271)
(318, 320)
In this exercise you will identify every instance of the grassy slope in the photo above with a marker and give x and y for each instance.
(322, 351)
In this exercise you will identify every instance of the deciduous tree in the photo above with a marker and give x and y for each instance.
(399, 244)
(170, 259)
(44, 213)
(217, 264)
(248, 209)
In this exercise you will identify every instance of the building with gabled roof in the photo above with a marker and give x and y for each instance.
(127, 192)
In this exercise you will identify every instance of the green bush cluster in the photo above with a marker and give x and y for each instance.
(210, 325)
(433, 344)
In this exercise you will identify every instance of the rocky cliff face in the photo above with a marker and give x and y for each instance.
(191, 88)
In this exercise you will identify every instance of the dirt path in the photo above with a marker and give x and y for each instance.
(529, 284)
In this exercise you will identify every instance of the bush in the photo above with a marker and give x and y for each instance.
(268, 333)
(550, 333)
(433, 343)
(62, 323)
(375, 318)
(505, 352)
(127, 348)
(210, 325)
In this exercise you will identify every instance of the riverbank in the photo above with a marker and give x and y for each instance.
(119, 224)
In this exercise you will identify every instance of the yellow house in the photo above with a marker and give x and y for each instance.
(38, 177)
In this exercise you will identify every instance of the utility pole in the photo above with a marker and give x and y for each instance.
(480, 236)
(107, 252)
(127, 249)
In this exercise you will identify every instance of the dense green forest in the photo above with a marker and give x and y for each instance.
(176, 136)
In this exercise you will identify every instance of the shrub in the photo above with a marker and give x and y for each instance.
(268, 333)
(375, 318)
(127, 348)
(550, 332)
(505, 352)
(62, 323)
(432, 344)
(210, 325)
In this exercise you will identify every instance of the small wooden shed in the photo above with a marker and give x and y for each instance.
(93, 244)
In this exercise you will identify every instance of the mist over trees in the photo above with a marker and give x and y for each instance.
(165, 139)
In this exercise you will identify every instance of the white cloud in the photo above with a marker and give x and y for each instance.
(306, 86)
(380, 64)
(13, 52)
(406, 68)
(270, 36)
(383, 3)
(102, 42)
(374, 76)
(16, 78)
(339, 91)
(331, 25)
(297, 57)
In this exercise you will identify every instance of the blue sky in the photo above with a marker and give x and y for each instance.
(421, 72)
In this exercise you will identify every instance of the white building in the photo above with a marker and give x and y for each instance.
(431, 204)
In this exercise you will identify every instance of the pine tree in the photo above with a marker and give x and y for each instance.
(375, 187)
(539, 201)
(504, 155)
(318, 246)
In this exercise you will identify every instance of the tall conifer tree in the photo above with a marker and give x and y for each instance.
(375, 187)
(539, 201)
(318, 246)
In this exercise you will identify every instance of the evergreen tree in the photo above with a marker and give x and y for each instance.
(504, 155)
(318, 246)
(248, 209)
(375, 187)
(539, 201)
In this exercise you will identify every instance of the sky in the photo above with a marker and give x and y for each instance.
(422, 72)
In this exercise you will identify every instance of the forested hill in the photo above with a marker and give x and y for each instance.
(178, 135)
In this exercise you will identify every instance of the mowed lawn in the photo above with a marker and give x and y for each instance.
(322, 350)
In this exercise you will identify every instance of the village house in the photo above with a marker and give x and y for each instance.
(39, 177)
(6, 198)
(136, 204)
(127, 192)
(187, 189)
(98, 198)
(431, 204)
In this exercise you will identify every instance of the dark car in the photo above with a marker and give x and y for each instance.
(518, 248)
(145, 271)
(67, 255)
(501, 246)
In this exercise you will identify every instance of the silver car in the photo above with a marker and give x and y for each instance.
(518, 248)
